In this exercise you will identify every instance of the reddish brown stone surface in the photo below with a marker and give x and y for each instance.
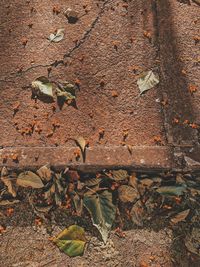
(104, 51)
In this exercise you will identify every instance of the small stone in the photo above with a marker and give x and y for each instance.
(71, 15)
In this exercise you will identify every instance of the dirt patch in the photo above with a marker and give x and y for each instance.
(137, 248)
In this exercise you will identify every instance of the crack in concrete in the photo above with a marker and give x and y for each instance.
(67, 54)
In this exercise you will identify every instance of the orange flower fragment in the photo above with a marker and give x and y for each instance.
(194, 126)
(196, 38)
(16, 106)
(175, 120)
(2, 229)
(192, 88)
(9, 212)
(114, 93)
(38, 222)
(77, 153)
(147, 34)
(56, 10)
(24, 41)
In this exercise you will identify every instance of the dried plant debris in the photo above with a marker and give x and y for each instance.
(168, 199)
(147, 80)
(47, 90)
(42, 87)
(29, 179)
(57, 36)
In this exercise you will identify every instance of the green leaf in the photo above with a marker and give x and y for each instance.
(147, 81)
(102, 211)
(71, 241)
(57, 37)
(29, 179)
(171, 190)
(42, 86)
(119, 175)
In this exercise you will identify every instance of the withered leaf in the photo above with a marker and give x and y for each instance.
(127, 193)
(180, 216)
(29, 179)
(147, 81)
(42, 87)
(45, 173)
(119, 175)
(57, 37)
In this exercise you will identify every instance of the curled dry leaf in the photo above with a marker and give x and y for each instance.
(127, 193)
(7, 182)
(147, 182)
(180, 216)
(78, 204)
(81, 143)
(92, 182)
(42, 87)
(66, 91)
(45, 173)
(133, 181)
(71, 241)
(192, 241)
(8, 202)
(138, 213)
(147, 81)
(171, 190)
(29, 179)
(119, 175)
(57, 37)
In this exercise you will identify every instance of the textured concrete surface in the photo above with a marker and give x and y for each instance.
(104, 51)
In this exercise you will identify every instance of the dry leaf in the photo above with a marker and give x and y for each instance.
(45, 173)
(29, 179)
(57, 37)
(127, 193)
(147, 81)
(180, 216)
(7, 181)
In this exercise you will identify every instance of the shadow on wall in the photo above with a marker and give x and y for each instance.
(174, 83)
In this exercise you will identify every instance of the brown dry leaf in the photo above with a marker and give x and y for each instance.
(9, 185)
(147, 182)
(133, 181)
(192, 241)
(45, 173)
(127, 193)
(180, 216)
(138, 213)
(7, 202)
(119, 175)
(92, 182)
(7, 181)
(29, 179)
(81, 143)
